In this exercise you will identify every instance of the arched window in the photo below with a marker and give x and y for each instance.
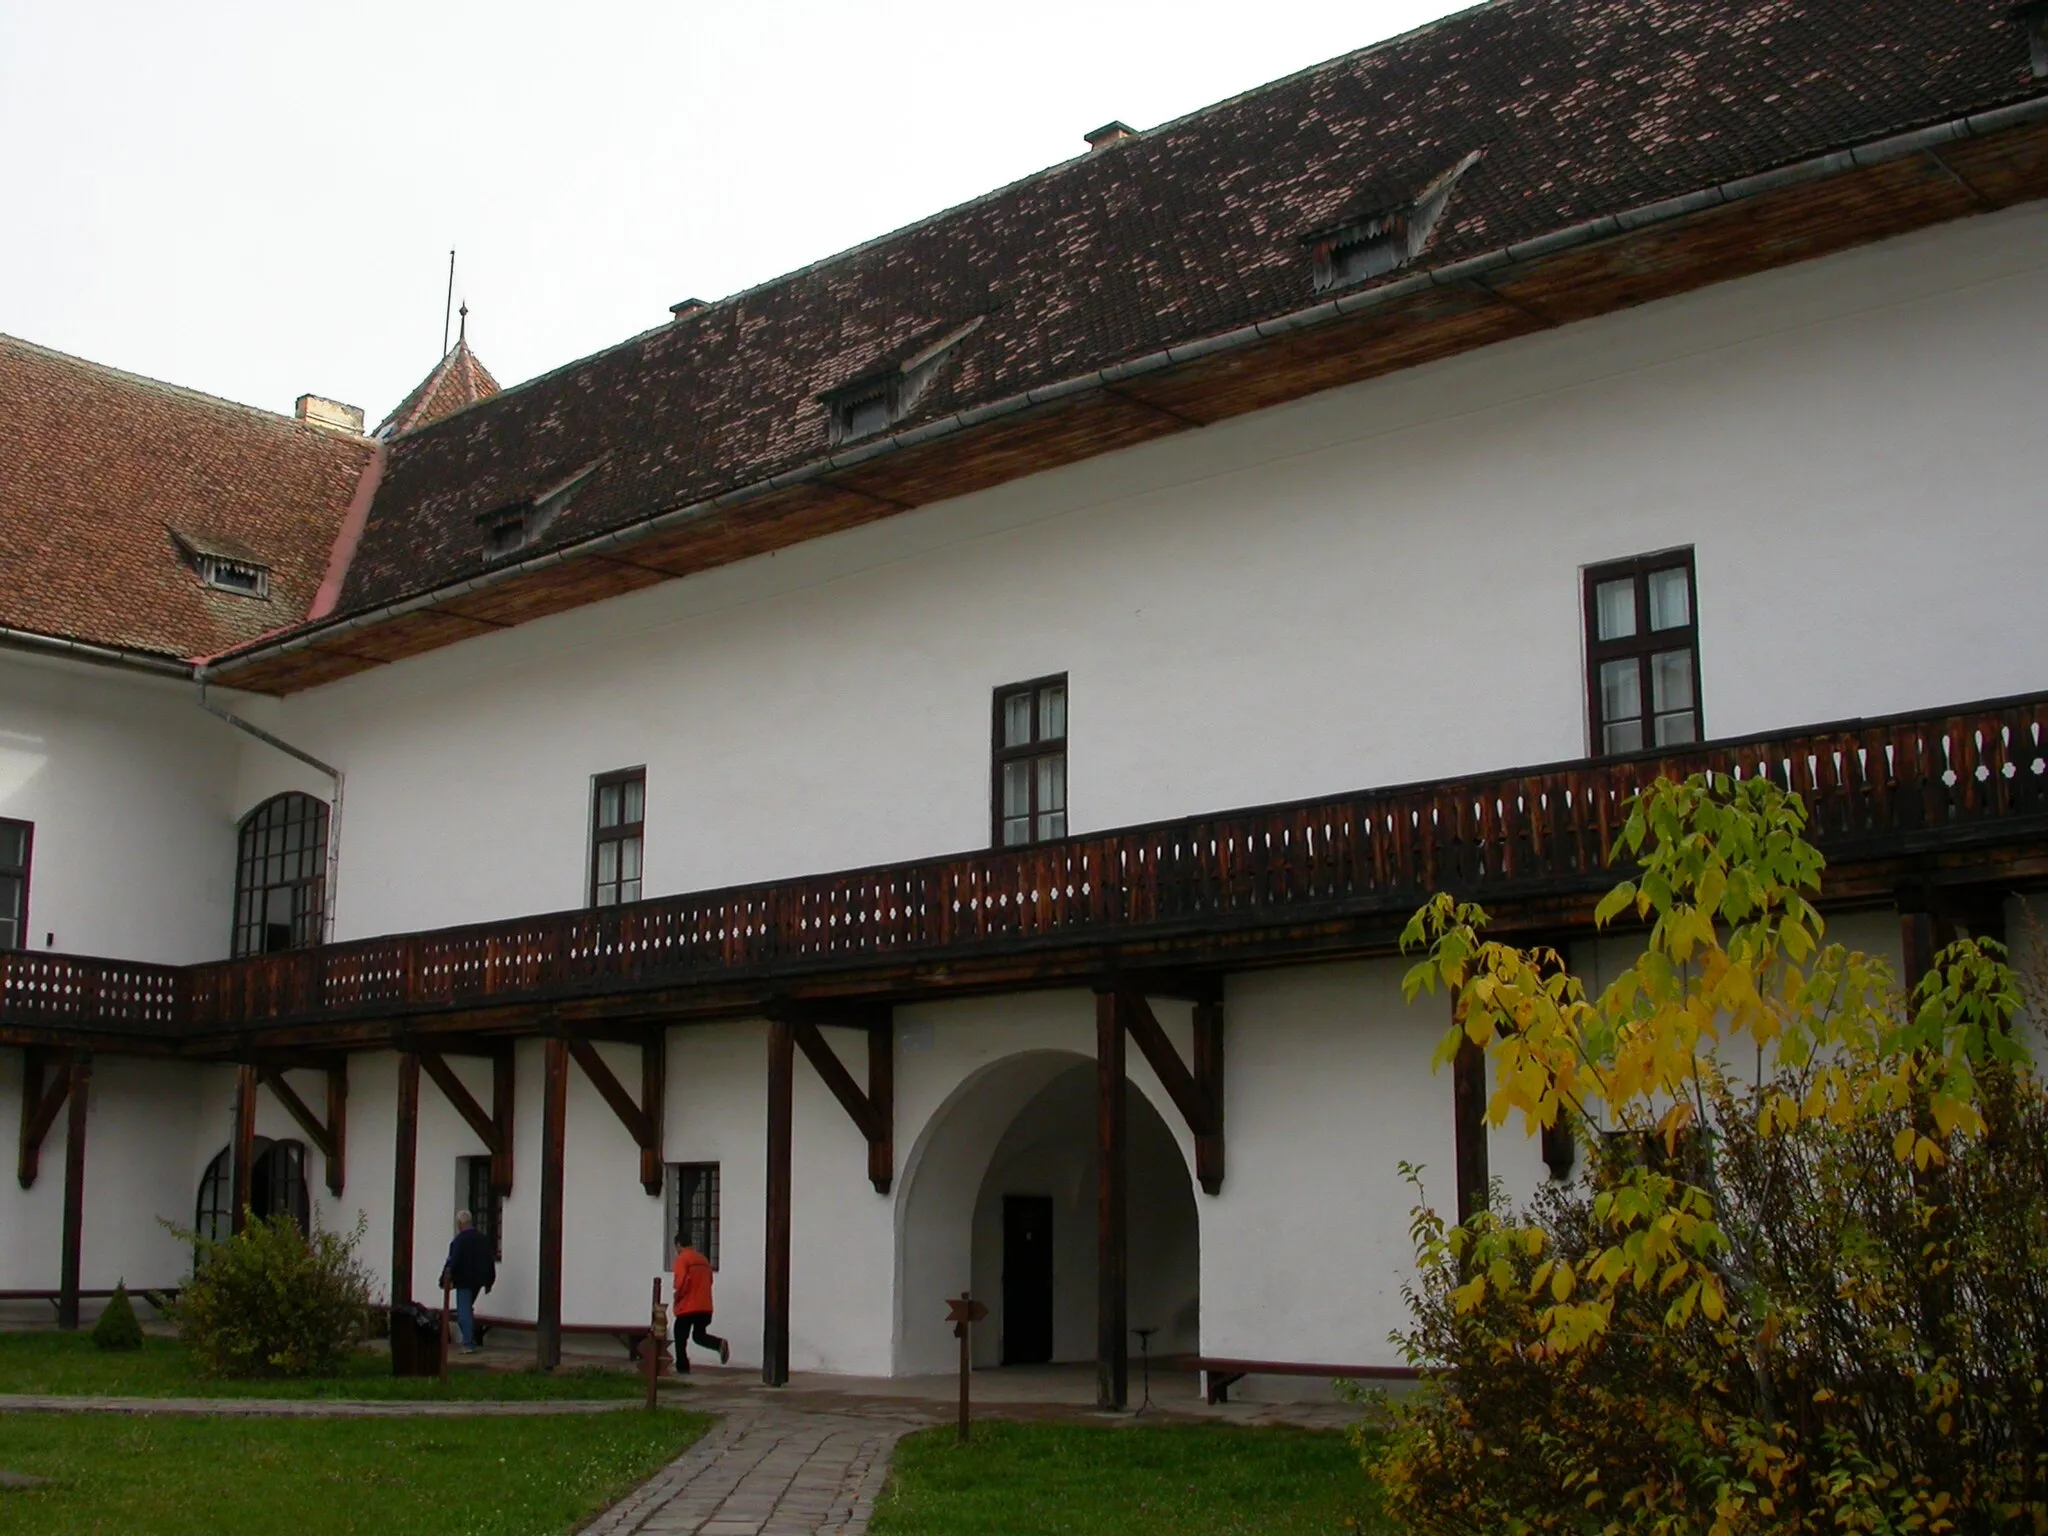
(277, 1187)
(281, 875)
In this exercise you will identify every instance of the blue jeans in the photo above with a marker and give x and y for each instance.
(465, 1316)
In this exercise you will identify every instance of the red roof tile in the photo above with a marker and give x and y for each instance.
(459, 379)
(103, 472)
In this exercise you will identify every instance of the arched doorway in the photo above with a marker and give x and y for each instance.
(277, 1187)
(1011, 1154)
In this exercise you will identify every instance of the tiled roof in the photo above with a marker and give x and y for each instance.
(1581, 107)
(102, 472)
(459, 379)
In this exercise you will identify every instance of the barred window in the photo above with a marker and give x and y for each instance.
(15, 840)
(281, 876)
(475, 1194)
(693, 1209)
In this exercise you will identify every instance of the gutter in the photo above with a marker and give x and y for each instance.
(1818, 168)
(334, 810)
(96, 655)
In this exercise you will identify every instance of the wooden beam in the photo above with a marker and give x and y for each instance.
(337, 1125)
(1112, 1346)
(404, 1177)
(297, 1108)
(882, 1102)
(74, 1192)
(39, 1105)
(653, 1080)
(243, 1158)
(1468, 1119)
(775, 1279)
(504, 1080)
(1208, 1021)
(453, 1089)
(837, 1078)
(554, 1124)
(1173, 1074)
(635, 1119)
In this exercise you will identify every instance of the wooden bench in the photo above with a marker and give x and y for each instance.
(633, 1337)
(56, 1297)
(1219, 1375)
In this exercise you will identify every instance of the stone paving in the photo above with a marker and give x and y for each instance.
(299, 1408)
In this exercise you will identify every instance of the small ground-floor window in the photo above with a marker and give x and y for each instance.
(693, 1209)
(474, 1194)
(277, 1187)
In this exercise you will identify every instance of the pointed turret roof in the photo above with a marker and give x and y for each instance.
(459, 379)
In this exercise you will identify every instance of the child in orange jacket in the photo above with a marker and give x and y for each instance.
(693, 1308)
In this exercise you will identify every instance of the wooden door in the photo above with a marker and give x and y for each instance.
(1027, 1279)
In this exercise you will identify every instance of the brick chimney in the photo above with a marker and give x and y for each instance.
(687, 308)
(319, 411)
(1110, 133)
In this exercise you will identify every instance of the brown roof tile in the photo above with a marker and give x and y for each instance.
(459, 379)
(1582, 107)
(102, 471)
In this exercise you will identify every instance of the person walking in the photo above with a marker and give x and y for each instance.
(470, 1268)
(693, 1308)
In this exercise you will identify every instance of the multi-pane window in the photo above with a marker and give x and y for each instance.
(486, 1207)
(1642, 653)
(693, 1209)
(1031, 762)
(619, 813)
(15, 840)
(281, 876)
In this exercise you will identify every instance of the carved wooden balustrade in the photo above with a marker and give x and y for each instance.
(1910, 784)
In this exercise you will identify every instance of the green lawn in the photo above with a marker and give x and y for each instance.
(436, 1477)
(1085, 1480)
(68, 1363)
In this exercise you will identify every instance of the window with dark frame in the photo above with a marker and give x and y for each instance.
(618, 817)
(17, 840)
(281, 876)
(1030, 788)
(485, 1205)
(1642, 653)
(693, 1209)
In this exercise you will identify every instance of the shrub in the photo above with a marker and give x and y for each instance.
(1803, 1285)
(271, 1301)
(117, 1328)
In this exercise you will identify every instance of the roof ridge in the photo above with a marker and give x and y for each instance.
(183, 391)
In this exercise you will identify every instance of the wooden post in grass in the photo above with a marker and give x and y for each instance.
(963, 1314)
(657, 1335)
(444, 1336)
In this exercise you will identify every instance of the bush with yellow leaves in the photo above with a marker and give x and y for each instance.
(1802, 1284)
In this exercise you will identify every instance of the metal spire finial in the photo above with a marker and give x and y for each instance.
(462, 330)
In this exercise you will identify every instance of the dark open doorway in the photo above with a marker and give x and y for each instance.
(1027, 1279)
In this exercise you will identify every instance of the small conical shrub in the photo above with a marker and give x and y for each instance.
(117, 1328)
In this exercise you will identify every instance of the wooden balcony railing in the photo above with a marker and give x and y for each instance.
(1906, 784)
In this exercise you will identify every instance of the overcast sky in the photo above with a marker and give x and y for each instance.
(258, 199)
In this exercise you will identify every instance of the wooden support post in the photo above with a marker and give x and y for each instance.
(775, 1280)
(1209, 1082)
(504, 1082)
(244, 1158)
(554, 1126)
(653, 1079)
(40, 1102)
(74, 1191)
(404, 1173)
(882, 1103)
(336, 1149)
(1925, 929)
(1112, 1345)
(1468, 1119)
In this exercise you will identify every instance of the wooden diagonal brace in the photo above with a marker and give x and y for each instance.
(1197, 1094)
(642, 1121)
(329, 1136)
(435, 1065)
(39, 1106)
(874, 1112)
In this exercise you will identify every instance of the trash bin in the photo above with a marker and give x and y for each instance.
(415, 1341)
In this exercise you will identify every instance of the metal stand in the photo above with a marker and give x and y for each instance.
(1145, 1362)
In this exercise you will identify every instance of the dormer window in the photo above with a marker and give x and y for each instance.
(1382, 241)
(877, 400)
(237, 576)
(519, 524)
(224, 564)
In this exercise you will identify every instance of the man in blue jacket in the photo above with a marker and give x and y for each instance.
(469, 1269)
